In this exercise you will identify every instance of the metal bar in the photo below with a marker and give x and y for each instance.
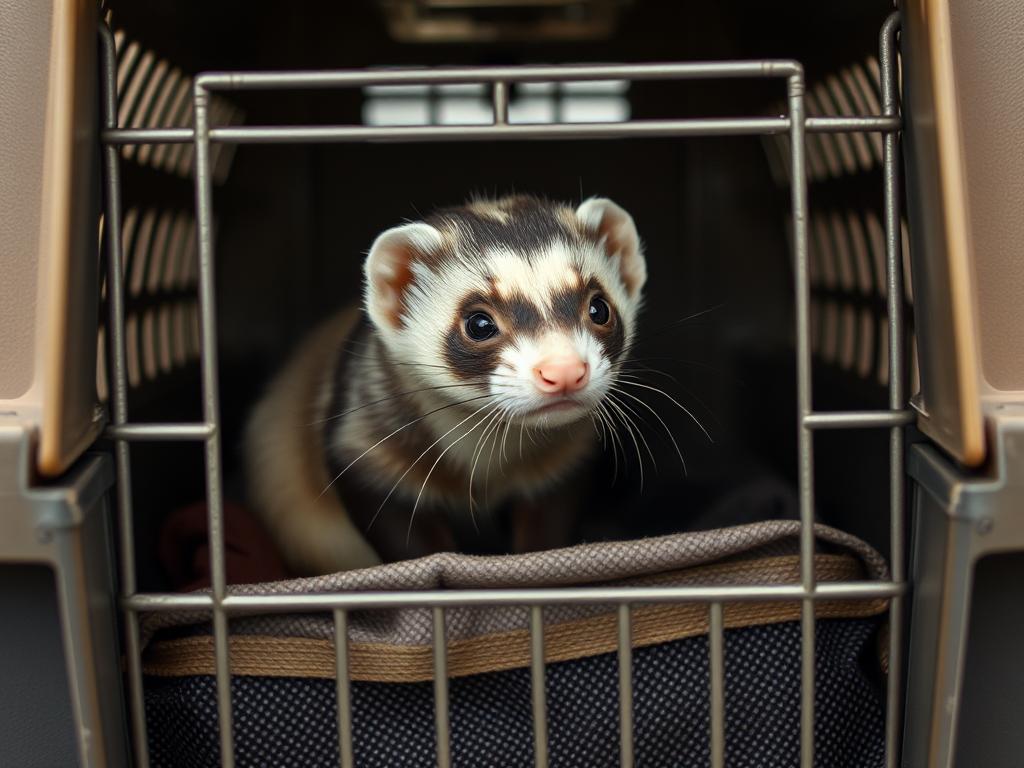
(150, 432)
(519, 132)
(716, 662)
(851, 124)
(155, 602)
(538, 687)
(147, 136)
(442, 725)
(626, 749)
(807, 647)
(697, 70)
(897, 393)
(117, 374)
(499, 98)
(859, 419)
(343, 688)
(805, 437)
(211, 415)
(732, 126)
(238, 604)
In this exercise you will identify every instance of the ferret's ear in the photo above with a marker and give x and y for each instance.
(619, 237)
(388, 269)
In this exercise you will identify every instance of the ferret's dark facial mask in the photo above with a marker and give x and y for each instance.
(529, 302)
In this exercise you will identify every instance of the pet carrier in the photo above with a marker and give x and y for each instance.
(752, 613)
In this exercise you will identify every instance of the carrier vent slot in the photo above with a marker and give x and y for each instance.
(153, 93)
(161, 324)
(849, 320)
(158, 231)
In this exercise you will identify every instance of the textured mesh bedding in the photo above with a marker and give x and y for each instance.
(291, 721)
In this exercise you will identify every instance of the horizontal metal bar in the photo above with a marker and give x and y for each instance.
(742, 126)
(150, 432)
(852, 124)
(864, 590)
(147, 136)
(158, 602)
(858, 419)
(300, 134)
(698, 70)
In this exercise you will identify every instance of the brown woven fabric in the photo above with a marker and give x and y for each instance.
(573, 638)
(675, 559)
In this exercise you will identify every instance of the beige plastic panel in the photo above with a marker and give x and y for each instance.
(946, 249)
(988, 57)
(48, 191)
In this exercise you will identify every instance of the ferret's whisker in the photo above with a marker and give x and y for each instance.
(599, 428)
(423, 486)
(504, 438)
(668, 431)
(425, 452)
(475, 457)
(613, 439)
(407, 393)
(677, 402)
(522, 426)
(606, 439)
(639, 431)
(627, 422)
(680, 361)
(682, 407)
(391, 360)
(490, 458)
(674, 324)
(687, 390)
(626, 367)
(387, 437)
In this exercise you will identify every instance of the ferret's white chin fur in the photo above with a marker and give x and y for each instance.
(556, 419)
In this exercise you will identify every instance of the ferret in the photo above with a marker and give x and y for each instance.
(474, 379)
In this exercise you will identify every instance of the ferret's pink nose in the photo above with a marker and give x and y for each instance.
(561, 375)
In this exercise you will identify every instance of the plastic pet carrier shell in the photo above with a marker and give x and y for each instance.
(754, 613)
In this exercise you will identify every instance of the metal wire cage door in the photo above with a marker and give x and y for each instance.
(221, 605)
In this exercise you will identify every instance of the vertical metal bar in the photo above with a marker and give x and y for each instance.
(211, 415)
(500, 101)
(118, 377)
(795, 91)
(716, 662)
(626, 686)
(343, 687)
(538, 687)
(442, 725)
(897, 393)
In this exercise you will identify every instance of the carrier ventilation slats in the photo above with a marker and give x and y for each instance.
(161, 318)
(846, 243)
(153, 93)
(159, 240)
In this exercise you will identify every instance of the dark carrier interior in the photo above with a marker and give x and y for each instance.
(293, 224)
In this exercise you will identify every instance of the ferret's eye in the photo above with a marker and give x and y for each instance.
(600, 312)
(480, 326)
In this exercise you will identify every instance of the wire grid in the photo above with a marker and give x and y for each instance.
(221, 605)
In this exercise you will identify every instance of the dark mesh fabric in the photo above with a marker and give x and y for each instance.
(291, 722)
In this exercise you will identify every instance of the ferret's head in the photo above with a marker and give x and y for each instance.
(529, 302)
